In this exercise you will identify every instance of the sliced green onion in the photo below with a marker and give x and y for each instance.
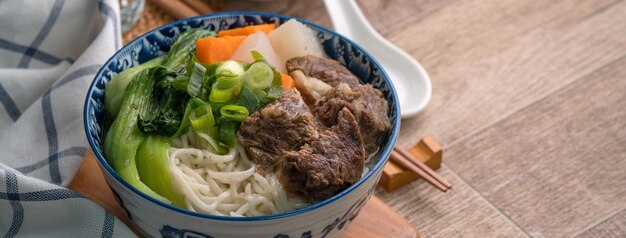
(259, 76)
(217, 106)
(222, 90)
(191, 61)
(207, 85)
(245, 65)
(230, 67)
(256, 55)
(227, 132)
(234, 113)
(213, 142)
(201, 119)
(181, 82)
(276, 89)
(196, 78)
(238, 86)
(249, 100)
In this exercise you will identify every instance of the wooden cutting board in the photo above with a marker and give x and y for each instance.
(376, 219)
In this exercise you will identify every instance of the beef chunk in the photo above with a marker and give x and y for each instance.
(327, 165)
(327, 70)
(282, 125)
(318, 153)
(365, 102)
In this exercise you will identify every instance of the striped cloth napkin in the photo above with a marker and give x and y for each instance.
(49, 54)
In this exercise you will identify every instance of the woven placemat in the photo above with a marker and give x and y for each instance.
(152, 17)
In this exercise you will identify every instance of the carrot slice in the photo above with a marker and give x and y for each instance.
(233, 32)
(215, 49)
(243, 31)
(234, 41)
(287, 81)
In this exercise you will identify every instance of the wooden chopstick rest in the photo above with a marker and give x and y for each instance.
(427, 150)
(405, 161)
(408, 160)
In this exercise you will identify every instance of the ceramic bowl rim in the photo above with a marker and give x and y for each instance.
(378, 166)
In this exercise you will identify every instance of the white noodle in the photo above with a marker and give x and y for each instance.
(224, 184)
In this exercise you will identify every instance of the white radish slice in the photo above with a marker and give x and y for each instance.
(294, 39)
(258, 42)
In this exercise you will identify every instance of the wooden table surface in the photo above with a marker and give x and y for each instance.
(529, 103)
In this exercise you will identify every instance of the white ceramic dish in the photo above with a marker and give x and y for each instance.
(411, 81)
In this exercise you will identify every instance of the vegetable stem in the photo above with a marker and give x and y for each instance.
(124, 137)
(117, 86)
(154, 168)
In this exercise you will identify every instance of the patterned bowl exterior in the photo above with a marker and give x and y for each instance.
(155, 218)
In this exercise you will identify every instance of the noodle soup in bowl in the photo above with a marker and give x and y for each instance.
(321, 219)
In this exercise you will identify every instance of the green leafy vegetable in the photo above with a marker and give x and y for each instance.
(117, 86)
(181, 82)
(154, 168)
(184, 124)
(163, 112)
(124, 138)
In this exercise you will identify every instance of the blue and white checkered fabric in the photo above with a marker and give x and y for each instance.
(49, 52)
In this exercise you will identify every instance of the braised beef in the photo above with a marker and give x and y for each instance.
(317, 149)
(327, 165)
(365, 102)
(327, 70)
(282, 125)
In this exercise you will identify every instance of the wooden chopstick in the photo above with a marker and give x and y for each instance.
(403, 158)
(423, 166)
(176, 8)
(200, 6)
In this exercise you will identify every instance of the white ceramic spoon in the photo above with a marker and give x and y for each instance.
(409, 77)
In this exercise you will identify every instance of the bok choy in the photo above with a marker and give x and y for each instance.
(124, 136)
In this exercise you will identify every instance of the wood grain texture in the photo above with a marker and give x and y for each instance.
(613, 227)
(488, 59)
(389, 16)
(460, 212)
(559, 165)
(377, 219)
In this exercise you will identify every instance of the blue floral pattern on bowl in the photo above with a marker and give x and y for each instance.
(157, 43)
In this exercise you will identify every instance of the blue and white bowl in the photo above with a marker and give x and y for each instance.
(156, 218)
